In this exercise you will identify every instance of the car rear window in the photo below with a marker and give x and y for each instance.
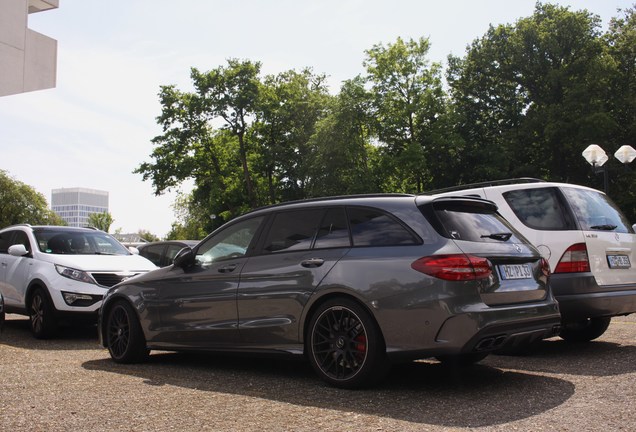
(596, 211)
(475, 223)
(540, 208)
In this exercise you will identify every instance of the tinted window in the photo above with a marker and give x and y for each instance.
(71, 242)
(474, 223)
(230, 243)
(171, 252)
(153, 253)
(5, 238)
(541, 208)
(293, 230)
(333, 231)
(23, 239)
(595, 211)
(371, 227)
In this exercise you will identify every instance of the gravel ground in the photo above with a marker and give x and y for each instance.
(70, 383)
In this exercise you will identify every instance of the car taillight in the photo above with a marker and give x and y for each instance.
(458, 267)
(574, 260)
(545, 267)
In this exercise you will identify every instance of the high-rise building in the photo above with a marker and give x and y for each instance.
(74, 205)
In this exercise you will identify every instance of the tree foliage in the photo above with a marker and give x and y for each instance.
(101, 221)
(21, 204)
(524, 100)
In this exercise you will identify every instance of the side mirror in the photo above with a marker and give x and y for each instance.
(18, 250)
(133, 250)
(634, 227)
(184, 258)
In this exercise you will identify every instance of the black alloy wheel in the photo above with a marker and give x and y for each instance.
(41, 315)
(124, 338)
(345, 346)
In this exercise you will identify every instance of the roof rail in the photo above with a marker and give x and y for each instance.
(484, 184)
(333, 198)
(18, 225)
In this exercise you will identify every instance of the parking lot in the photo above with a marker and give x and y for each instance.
(70, 383)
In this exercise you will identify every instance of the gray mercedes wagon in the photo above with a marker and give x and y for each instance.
(353, 283)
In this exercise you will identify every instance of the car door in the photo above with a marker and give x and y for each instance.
(197, 306)
(15, 270)
(298, 250)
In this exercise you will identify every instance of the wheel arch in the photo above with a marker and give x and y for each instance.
(34, 285)
(310, 311)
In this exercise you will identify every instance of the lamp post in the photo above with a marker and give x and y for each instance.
(597, 157)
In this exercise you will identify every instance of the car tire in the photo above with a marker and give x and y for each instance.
(345, 346)
(42, 314)
(462, 360)
(124, 337)
(585, 330)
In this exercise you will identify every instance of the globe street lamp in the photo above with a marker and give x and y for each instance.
(597, 157)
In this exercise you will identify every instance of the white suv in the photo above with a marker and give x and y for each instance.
(586, 239)
(52, 272)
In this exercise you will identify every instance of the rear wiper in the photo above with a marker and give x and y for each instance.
(498, 236)
(606, 227)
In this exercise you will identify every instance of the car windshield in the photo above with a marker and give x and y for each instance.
(71, 242)
(596, 212)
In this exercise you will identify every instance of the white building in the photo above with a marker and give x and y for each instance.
(74, 205)
(28, 60)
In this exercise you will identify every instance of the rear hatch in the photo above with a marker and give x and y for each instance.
(608, 236)
(518, 273)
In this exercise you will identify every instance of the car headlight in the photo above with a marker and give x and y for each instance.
(76, 299)
(74, 274)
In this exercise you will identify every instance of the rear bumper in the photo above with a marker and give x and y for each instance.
(488, 331)
(580, 297)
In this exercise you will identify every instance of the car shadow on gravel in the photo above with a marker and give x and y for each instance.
(420, 392)
(596, 358)
(17, 333)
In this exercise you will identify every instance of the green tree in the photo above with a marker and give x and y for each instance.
(20, 203)
(147, 235)
(230, 94)
(621, 45)
(291, 104)
(407, 98)
(533, 95)
(101, 221)
(341, 154)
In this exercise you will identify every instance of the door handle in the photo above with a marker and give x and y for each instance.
(312, 262)
(228, 268)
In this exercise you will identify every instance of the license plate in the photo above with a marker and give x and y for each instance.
(515, 271)
(618, 261)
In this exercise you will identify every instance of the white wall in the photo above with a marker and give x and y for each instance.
(28, 60)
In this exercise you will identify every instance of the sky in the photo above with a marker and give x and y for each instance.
(95, 127)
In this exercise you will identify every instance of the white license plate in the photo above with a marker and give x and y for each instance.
(515, 271)
(618, 261)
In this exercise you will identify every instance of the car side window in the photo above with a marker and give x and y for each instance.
(230, 243)
(293, 230)
(153, 253)
(5, 239)
(371, 227)
(540, 208)
(334, 230)
(171, 252)
(23, 239)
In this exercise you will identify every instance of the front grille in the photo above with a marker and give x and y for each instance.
(111, 279)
